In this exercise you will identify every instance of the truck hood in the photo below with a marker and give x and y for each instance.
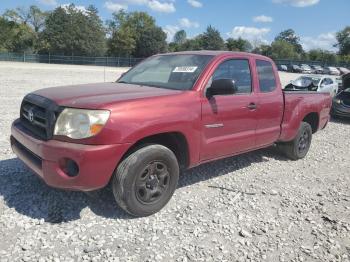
(98, 96)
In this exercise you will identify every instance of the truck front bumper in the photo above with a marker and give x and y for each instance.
(93, 165)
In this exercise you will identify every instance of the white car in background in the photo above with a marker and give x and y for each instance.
(317, 83)
(331, 71)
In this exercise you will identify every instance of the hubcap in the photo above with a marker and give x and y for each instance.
(152, 182)
(303, 142)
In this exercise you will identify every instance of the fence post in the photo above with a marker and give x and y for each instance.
(49, 58)
(118, 62)
(24, 56)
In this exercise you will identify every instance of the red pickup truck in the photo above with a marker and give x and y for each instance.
(170, 112)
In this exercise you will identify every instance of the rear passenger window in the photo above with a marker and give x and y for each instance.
(237, 70)
(267, 80)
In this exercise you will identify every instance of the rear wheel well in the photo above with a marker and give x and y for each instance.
(175, 141)
(313, 120)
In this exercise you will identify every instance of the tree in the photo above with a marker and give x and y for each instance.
(32, 16)
(290, 36)
(343, 38)
(281, 49)
(15, 37)
(211, 39)
(192, 44)
(122, 43)
(152, 41)
(238, 45)
(135, 34)
(180, 37)
(263, 50)
(70, 31)
(323, 56)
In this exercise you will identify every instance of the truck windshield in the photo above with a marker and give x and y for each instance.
(178, 72)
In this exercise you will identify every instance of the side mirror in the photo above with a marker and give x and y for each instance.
(222, 87)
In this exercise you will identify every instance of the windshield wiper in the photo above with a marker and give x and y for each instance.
(123, 82)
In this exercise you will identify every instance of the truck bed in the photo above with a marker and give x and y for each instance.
(298, 105)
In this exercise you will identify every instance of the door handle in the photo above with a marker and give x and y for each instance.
(252, 106)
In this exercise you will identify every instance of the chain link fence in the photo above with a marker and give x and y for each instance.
(70, 60)
(118, 61)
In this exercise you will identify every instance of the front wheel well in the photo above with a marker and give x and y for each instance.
(175, 141)
(313, 120)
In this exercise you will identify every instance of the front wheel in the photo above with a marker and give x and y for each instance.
(145, 181)
(300, 145)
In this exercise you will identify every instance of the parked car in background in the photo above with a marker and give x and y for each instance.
(305, 69)
(169, 113)
(315, 83)
(317, 69)
(343, 70)
(283, 68)
(330, 70)
(294, 69)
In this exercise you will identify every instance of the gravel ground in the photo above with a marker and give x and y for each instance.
(255, 207)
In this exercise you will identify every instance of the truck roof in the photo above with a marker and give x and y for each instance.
(214, 53)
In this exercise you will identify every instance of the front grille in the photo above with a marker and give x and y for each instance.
(38, 116)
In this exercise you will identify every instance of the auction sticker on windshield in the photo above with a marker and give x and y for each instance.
(185, 69)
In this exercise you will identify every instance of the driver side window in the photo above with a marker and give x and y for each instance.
(237, 70)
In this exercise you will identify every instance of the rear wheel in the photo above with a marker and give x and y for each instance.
(145, 181)
(300, 145)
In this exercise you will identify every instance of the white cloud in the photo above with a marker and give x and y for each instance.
(195, 3)
(170, 31)
(155, 5)
(263, 19)
(184, 23)
(163, 7)
(253, 34)
(297, 3)
(80, 8)
(187, 23)
(115, 7)
(323, 41)
(48, 2)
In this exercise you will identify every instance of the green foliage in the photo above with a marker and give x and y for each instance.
(135, 34)
(263, 50)
(70, 31)
(290, 36)
(238, 45)
(323, 56)
(32, 16)
(15, 37)
(211, 39)
(281, 49)
(343, 38)
(180, 37)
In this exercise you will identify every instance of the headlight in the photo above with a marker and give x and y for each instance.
(80, 123)
(337, 100)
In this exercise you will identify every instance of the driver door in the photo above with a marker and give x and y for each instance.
(229, 121)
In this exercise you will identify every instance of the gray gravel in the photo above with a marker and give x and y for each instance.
(254, 207)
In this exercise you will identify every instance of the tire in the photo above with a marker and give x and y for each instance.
(300, 145)
(145, 181)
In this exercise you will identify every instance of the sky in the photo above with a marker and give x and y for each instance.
(314, 21)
